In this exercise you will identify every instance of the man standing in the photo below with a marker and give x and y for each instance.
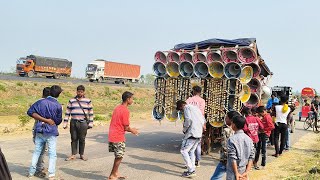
(314, 109)
(81, 112)
(192, 129)
(196, 100)
(48, 112)
(118, 126)
(272, 100)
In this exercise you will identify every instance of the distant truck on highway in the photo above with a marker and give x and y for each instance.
(100, 70)
(32, 65)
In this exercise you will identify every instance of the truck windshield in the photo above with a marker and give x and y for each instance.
(92, 67)
(21, 61)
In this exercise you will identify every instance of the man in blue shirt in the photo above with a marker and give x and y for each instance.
(48, 112)
(272, 100)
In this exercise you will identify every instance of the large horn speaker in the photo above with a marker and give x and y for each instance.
(255, 85)
(172, 116)
(266, 92)
(245, 94)
(201, 69)
(247, 55)
(173, 57)
(246, 74)
(160, 57)
(158, 112)
(214, 56)
(198, 57)
(186, 57)
(253, 101)
(173, 69)
(186, 69)
(229, 55)
(159, 69)
(216, 69)
(256, 69)
(232, 70)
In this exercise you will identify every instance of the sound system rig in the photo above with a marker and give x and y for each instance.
(232, 75)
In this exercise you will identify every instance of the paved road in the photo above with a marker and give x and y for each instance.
(152, 155)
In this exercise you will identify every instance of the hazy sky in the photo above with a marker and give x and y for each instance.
(287, 32)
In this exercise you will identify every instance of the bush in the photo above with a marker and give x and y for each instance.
(107, 91)
(3, 88)
(24, 119)
(19, 84)
(35, 84)
(99, 118)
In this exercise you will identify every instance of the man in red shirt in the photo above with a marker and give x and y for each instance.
(268, 127)
(253, 125)
(118, 126)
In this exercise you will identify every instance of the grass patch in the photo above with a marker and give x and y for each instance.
(19, 84)
(24, 119)
(3, 88)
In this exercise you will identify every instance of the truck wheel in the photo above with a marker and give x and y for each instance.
(56, 76)
(90, 80)
(100, 80)
(117, 82)
(30, 74)
(22, 75)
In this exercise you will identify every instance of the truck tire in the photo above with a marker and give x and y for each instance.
(48, 77)
(56, 76)
(100, 80)
(22, 75)
(90, 80)
(30, 74)
(117, 82)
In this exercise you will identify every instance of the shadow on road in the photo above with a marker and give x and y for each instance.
(83, 174)
(18, 169)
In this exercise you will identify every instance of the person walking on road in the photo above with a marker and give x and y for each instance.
(48, 113)
(118, 126)
(314, 108)
(196, 100)
(80, 111)
(192, 129)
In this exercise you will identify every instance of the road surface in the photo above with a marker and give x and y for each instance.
(154, 154)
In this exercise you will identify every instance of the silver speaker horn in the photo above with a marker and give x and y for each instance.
(253, 101)
(216, 69)
(159, 69)
(214, 56)
(229, 55)
(172, 69)
(173, 57)
(201, 69)
(255, 85)
(185, 57)
(232, 70)
(198, 57)
(160, 57)
(266, 92)
(186, 69)
(247, 55)
(158, 112)
(256, 69)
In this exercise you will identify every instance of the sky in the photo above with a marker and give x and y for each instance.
(126, 31)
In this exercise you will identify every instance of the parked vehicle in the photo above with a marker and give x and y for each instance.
(100, 70)
(43, 66)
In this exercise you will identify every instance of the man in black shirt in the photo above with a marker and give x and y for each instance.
(314, 108)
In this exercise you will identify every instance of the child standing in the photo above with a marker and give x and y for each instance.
(240, 151)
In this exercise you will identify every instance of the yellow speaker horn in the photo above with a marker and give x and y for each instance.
(246, 75)
(216, 69)
(172, 115)
(172, 69)
(245, 93)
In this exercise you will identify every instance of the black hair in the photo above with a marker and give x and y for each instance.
(196, 89)
(316, 96)
(231, 114)
(254, 110)
(239, 122)
(260, 109)
(81, 88)
(284, 99)
(55, 91)
(126, 95)
(46, 92)
(246, 111)
(180, 103)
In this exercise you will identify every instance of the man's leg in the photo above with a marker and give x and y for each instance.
(40, 164)
(198, 154)
(283, 131)
(287, 145)
(316, 121)
(118, 149)
(263, 149)
(115, 168)
(52, 145)
(258, 150)
(276, 139)
(221, 169)
(39, 143)
(192, 154)
(74, 139)
(82, 139)
(187, 145)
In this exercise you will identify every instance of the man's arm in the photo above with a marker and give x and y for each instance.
(232, 154)
(132, 130)
(187, 120)
(40, 118)
(68, 112)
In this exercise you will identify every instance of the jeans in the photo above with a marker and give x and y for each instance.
(287, 145)
(282, 129)
(40, 142)
(261, 147)
(188, 149)
(40, 163)
(78, 131)
(221, 169)
(198, 152)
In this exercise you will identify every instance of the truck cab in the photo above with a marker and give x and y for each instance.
(95, 71)
(25, 67)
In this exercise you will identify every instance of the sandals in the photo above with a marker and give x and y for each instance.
(71, 158)
(40, 174)
(84, 158)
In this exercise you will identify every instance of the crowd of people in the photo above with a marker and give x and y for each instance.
(245, 135)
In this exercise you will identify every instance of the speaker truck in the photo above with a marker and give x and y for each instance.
(100, 70)
(50, 67)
